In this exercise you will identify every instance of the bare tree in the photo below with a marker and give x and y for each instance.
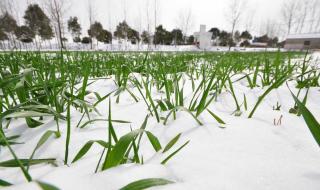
(234, 14)
(91, 16)
(125, 10)
(57, 9)
(317, 17)
(109, 19)
(269, 27)
(314, 13)
(249, 20)
(148, 20)
(289, 14)
(124, 6)
(185, 21)
(302, 14)
(155, 20)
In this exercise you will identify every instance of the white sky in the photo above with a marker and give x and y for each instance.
(209, 12)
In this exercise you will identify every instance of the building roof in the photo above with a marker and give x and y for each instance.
(258, 44)
(304, 36)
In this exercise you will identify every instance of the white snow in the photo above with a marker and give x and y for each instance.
(246, 154)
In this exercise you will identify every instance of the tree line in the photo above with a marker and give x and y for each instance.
(39, 28)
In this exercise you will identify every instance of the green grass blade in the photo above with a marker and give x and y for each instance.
(95, 120)
(41, 141)
(119, 150)
(154, 141)
(16, 160)
(217, 118)
(174, 153)
(171, 143)
(273, 86)
(146, 183)
(25, 162)
(87, 147)
(46, 186)
(310, 120)
(4, 183)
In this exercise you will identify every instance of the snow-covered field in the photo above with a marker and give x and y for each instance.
(257, 153)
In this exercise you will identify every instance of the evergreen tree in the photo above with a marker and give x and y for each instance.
(75, 28)
(38, 22)
(3, 35)
(105, 36)
(86, 40)
(246, 35)
(7, 23)
(177, 37)
(24, 34)
(162, 36)
(133, 36)
(245, 43)
(145, 36)
(226, 39)
(271, 42)
(190, 40)
(122, 30)
(95, 30)
(215, 33)
(46, 32)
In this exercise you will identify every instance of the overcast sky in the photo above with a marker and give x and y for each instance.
(213, 13)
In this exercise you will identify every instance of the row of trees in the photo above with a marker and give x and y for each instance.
(41, 26)
(224, 38)
(38, 28)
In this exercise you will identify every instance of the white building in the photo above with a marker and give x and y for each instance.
(203, 38)
(303, 41)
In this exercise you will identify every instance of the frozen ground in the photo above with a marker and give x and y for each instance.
(243, 154)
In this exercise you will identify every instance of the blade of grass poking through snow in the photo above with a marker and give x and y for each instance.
(16, 160)
(69, 102)
(174, 153)
(87, 147)
(146, 183)
(245, 102)
(310, 120)
(182, 109)
(95, 120)
(148, 95)
(154, 141)
(143, 127)
(103, 98)
(233, 94)
(110, 126)
(46, 186)
(217, 118)
(304, 101)
(9, 139)
(203, 99)
(119, 150)
(42, 140)
(4, 183)
(25, 162)
(171, 143)
(273, 86)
